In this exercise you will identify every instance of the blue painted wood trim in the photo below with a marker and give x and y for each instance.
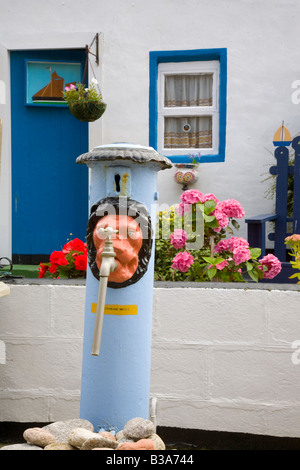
(282, 157)
(258, 219)
(296, 204)
(157, 57)
(256, 234)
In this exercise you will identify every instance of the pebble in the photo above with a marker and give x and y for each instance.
(102, 448)
(21, 447)
(158, 442)
(138, 428)
(38, 437)
(122, 438)
(99, 441)
(142, 444)
(62, 429)
(78, 436)
(59, 446)
(74, 434)
(107, 435)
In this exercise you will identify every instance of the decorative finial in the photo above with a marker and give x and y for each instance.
(282, 137)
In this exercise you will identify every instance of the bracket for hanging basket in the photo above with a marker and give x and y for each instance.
(88, 49)
(84, 109)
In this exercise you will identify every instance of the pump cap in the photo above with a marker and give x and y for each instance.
(125, 151)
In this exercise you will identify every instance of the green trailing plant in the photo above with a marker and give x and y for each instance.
(293, 241)
(80, 92)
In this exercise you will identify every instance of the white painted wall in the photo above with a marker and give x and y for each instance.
(222, 358)
(262, 41)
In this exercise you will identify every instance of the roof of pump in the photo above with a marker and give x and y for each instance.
(125, 151)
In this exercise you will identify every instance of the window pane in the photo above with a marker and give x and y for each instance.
(188, 132)
(188, 90)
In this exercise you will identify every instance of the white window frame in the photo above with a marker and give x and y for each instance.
(185, 68)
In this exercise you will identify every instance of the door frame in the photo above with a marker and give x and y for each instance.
(11, 42)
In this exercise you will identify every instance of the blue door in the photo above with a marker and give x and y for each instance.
(49, 190)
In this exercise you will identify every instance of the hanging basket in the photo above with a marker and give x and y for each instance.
(87, 111)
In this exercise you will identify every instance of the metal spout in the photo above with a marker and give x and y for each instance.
(108, 265)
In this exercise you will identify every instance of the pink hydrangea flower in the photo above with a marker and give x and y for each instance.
(178, 238)
(273, 264)
(231, 208)
(241, 254)
(183, 208)
(222, 265)
(210, 197)
(182, 261)
(230, 244)
(192, 196)
(222, 245)
(221, 218)
(238, 241)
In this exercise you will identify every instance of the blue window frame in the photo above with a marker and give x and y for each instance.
(188, 59)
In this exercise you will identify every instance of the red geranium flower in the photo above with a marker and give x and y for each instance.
(58, 258)
(53, 268)
(70, 263)
(42, 270)
(74, 245)
(81, 262)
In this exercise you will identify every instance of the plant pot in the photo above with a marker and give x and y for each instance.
(87, 111)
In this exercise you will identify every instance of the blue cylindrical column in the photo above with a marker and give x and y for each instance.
(115, 385)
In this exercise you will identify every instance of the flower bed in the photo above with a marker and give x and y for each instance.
(208, 249)
(70, 262)
(195, 241)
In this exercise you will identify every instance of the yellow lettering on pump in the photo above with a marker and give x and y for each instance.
(117, 309)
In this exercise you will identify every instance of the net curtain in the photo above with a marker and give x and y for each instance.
(188, 91)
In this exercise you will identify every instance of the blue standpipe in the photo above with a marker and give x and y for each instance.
(115, 385)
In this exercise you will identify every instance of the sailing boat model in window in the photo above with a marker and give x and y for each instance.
(53, 91)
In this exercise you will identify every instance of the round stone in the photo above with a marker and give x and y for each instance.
(21, 447)
(38, 437)
(99, 441)
(62, 429)
(60, 446)
(79, 436)
(102, 448)
(107, 435)
(158, 442)
(122, 438)
(138, 428)
(141, 444)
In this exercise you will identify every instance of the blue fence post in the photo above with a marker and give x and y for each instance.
(296, 203)
(282, 156)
